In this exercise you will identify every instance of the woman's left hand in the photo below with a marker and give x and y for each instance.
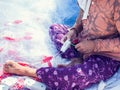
(86, 46)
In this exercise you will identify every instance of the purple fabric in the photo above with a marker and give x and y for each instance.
(77, 77)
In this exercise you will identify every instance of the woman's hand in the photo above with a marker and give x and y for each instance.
(71, 35)
(86, 46)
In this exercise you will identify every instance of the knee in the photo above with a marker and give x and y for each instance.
(54, 28)
(57, 31)
(58, 28)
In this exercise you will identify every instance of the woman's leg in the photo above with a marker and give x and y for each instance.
(13, 67)
(77, 77)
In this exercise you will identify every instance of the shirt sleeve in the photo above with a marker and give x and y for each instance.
(111, 46)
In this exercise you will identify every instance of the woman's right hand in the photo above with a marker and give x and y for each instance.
(71, 35)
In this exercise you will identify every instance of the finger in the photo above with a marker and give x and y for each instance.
(77, 46)
(64, 39)
(5, 67)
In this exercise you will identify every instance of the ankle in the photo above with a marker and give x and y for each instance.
(29, 72)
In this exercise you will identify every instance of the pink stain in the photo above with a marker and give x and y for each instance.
(18, 58)
(1, 49)
(47, 58)
(3, 75)
(23, 63)
(28, 33)
(27, 37)
(9, 38)
(17, 21)
(1, 65)
(49, 64)
(19, 84)
(12, 52)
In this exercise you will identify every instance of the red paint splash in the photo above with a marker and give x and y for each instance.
(23, 63)
(9, 38)
(27, 37)
(47, 59)
(17, 21)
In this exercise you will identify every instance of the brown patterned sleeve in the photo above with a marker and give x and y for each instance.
(111, 46)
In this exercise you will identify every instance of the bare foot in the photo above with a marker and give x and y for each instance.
(13, 67)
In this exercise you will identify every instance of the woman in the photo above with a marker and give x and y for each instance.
(97, 33)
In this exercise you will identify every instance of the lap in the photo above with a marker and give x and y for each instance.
(94, 69)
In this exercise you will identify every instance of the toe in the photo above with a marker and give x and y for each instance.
(5, 68)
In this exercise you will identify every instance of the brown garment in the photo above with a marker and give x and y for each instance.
(103, 26)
